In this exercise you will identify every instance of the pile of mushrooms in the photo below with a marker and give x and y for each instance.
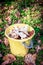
(19, 32)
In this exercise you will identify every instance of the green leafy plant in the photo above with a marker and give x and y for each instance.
(30, 17)
(24, 3)
(39, 57)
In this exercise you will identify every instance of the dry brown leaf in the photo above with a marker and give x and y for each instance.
(28, 64)
(6, 41)
(0, 21)
(19, 21)
(1, 41)
(6, 62)
(8, 12)
(0, 55)
(17, 14)
(34, 56)
(5, 8)
(39, 34)
(9, 58)
(30, 59)
(11, 7)
(6, 26)
(39, 41)
(37, 48)
(41, 63)
(0, 29)
(42, 46)
(8, 19)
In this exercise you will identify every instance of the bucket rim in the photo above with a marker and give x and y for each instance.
(29, 38)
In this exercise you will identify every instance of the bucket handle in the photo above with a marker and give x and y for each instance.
(30, 46)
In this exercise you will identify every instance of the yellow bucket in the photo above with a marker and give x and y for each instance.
(16, 46)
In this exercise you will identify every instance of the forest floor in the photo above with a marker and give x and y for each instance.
(32, 15)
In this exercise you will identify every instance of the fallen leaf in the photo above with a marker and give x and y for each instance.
(37, 48)
(5, 8)
(8, 12)
(6, 26)
(5, 62)
(19, 21)
(41, 63)
(11, 7)
(30, 59)
(0, 55)
(42, 46)
(28, 64)
(1, 41)
(6, 41)
(39, 41)
(0, 29)
(34, 56)
(8, 19)
(39, 34)
(9, 58)
(17, 14)
(0, 21)
(26, 9)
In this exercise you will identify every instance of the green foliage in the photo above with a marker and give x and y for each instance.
(12, 16)
(32, 50)
(24, 3)
(30, 17)
(19, 61)
(3, 30)
(37, 30)
(39, 57)
(25, 12)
